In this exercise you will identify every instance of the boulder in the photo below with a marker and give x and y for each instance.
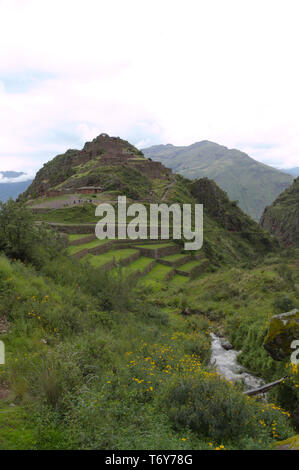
(283, 330)
(226, 344)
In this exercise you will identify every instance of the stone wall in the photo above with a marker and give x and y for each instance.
(80, 254)
(159, 252)
(182, 273)
(170, 275)
(83, 240)
(139, 273)
(152, 169)
(178, 262)
(129, 259)
(97, 250)
(74, 229)
(196, 271)
(124, 262)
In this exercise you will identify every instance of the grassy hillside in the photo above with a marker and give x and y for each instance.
(108, 342)
(99, 359)
(229, 234)
(94, 363)
(282, 217)
(240, 302)
(253, 184)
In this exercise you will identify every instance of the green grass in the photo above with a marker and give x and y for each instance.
(179, 280)
(76, 215)
(16, 432)
(158, 272)
(76, 248)
(243, 301)
(106, 367)
(73, 237)
(99, 260)
(175, 257)
(189, 266)
(155, 246)
(159, 188)
(104, 362)
(139, 264)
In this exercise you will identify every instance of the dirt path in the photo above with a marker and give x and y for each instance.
(60, 203)
(167, 189)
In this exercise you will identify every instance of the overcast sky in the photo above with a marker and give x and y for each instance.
(149, 71)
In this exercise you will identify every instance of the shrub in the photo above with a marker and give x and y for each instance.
(218, 411)
(22, 239)
(283, 303)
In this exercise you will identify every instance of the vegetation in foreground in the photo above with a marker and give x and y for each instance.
(94, 362)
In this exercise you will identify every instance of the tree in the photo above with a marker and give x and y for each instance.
(22, 238)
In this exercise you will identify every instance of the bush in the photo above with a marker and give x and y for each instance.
(283, 303)
(22, 239)
(218, 411)
(112, 291)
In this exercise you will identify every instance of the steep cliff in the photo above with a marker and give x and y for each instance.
(282, 217)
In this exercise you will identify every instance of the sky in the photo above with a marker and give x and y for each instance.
(151, 72)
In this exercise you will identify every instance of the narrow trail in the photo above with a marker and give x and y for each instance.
(59, 203)
(167, 189)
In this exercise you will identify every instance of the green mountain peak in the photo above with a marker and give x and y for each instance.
(253, 184)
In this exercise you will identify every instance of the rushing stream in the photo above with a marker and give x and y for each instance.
(228, 366)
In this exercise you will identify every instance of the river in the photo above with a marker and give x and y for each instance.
(227, 365)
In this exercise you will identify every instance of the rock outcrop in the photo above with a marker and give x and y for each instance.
(282, 217)
(283, 330)
(95, 165)
(228, 215)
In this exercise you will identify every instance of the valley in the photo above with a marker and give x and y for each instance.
(109, 342)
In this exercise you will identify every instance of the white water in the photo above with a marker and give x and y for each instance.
(227, 365)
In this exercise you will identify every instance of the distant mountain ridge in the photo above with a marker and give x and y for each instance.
(254, 184)
(290, 171)
(12, 189)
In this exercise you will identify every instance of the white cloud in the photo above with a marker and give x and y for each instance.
(149, 72)
(18, 179)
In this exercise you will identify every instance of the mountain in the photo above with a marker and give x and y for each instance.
(282, 217)
(120, 169)
(290, 171)
(253, 184)
(109, 162)
(11, 188)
